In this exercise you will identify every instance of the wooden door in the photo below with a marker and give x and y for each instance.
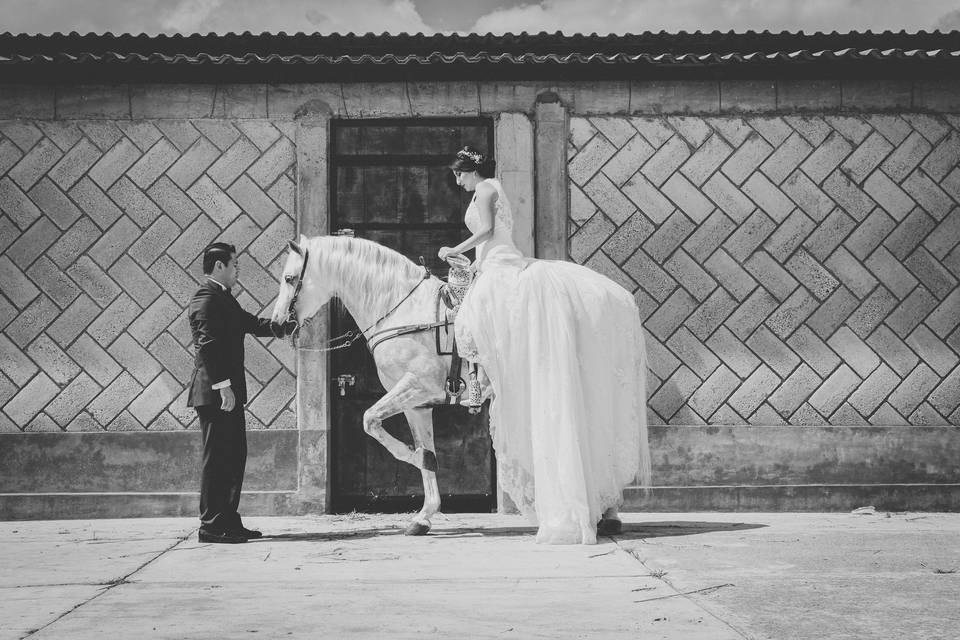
(391, 183)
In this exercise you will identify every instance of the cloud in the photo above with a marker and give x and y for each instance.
(637, 16)
(189, 15)
(949, 21)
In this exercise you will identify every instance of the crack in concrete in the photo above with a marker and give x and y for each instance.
(659, 575)
(110, 584)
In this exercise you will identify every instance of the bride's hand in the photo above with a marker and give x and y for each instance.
(444, 252)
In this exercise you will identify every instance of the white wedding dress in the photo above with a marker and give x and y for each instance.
(563, 348)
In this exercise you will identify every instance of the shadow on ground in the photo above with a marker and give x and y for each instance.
(637, 530)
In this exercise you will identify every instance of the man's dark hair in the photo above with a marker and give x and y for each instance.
(217, 251)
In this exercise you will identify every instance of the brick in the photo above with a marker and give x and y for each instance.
(786, 158)
(21, 132)
(33, 242)
(660, 360)
(647, 197)
(730, 275)
(73, 320)
(9, 155)
(261, 132)
(264, 286)
(927, 416)
(874, 390)
(792, 313)
(687, 197)
(191, 165)
(143, 134)
(645, 303)
(749, 236)
(690, 276)
(73, 243)
(914, 389)
(746, 159)
(74, 164)
(711, 314)
(795, 390)
(103, 133)
(590, 160)
(124, 421)
(134, 202)
(851, 273)
(609, 199)
(93, 281)
(14, 364)
(714, 391)
(581, 208)
(811, 274)
(134, 281)
(887, 416)
(893, 350)
(692, 352)
(114, 163)
(260, 362)
(154, 241)
(214, 202)
(789, 235)
(872, 312)
(906, 157)
(768, 197)
(826, 157)
(134, 359)
(114, 242)
(848, 195)
(846, 415)
(154, 319)
(944, 157)
(808, 196)
(274, 162)
(774, 130)
(180, 329)
(853, 129)
(17, 287)
(771, 275)
(733, 353)
(945, 236)
(53, 282)
(233, 162)
(114, 398)
(772, 351)
(95, 203)
(706, 160)
(811, 127)
(708, 236)
(16, 205)
(892, 127)
(911, 311)
(726, 415)
(728, 197)
(866, 158)
(833, 312)
(33, 320)
(934, 352)
(581, 131)
(834, 390)
(932, 127)
(173, 358)
(35, 164)
(928, 195)
(671, 314)
(628, 159)
(829, 234)
(751, 313)
(946, 397)
(666, 161)
(754, 391)
(258, 204)
(891, 273)
(174, 202)
(929, 271)
(888, 195)
(174, 280)
(668, 237)
(674, 392)
(619, 246)
(588, 238)
(181, 133)
(693, 129)
(869, 234)
(153, 163)
(52, 360)
(946, 316)
(114, 320)
(54, 203)
(31, 399)
(71, 401)
(854, 351)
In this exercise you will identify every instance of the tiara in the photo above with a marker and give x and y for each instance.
(473, 156)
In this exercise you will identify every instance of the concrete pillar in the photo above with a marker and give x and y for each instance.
(513, 145)
(550, 146)
(313, 218)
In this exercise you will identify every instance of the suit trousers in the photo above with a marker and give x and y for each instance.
(224, 461)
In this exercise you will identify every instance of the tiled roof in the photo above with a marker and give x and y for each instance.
(494, 53)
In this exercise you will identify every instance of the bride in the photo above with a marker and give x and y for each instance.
(563, 348)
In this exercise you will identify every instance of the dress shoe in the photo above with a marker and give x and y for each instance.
(220, 537)
(249, 534)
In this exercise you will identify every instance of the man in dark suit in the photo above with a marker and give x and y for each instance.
(218, 392)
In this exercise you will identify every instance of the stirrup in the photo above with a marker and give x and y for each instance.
(474, 395)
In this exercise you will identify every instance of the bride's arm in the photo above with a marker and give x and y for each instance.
(486, 196)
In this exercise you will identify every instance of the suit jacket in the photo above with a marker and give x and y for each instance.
(219, 324)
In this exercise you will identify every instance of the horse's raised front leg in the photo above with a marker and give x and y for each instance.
(408, 393)
(421, 425)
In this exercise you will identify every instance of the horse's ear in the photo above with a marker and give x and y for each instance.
(295, 247)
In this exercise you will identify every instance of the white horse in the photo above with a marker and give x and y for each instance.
(383, 290)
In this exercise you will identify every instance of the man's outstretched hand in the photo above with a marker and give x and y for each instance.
(228, 400)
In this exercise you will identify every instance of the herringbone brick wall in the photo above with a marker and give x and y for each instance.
(791, 270)
(101, 228)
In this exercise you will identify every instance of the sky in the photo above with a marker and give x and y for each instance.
(473, 16)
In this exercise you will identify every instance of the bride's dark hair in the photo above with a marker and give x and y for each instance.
(469, 159)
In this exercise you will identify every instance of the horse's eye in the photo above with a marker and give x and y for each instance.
(289, 279)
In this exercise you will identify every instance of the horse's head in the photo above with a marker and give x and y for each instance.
(301, 294)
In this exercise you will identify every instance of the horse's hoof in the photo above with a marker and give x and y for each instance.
(416, 529)
(608, 527)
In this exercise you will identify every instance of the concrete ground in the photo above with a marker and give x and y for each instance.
(710, 576)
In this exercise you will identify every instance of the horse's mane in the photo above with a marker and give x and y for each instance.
(377, 275)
